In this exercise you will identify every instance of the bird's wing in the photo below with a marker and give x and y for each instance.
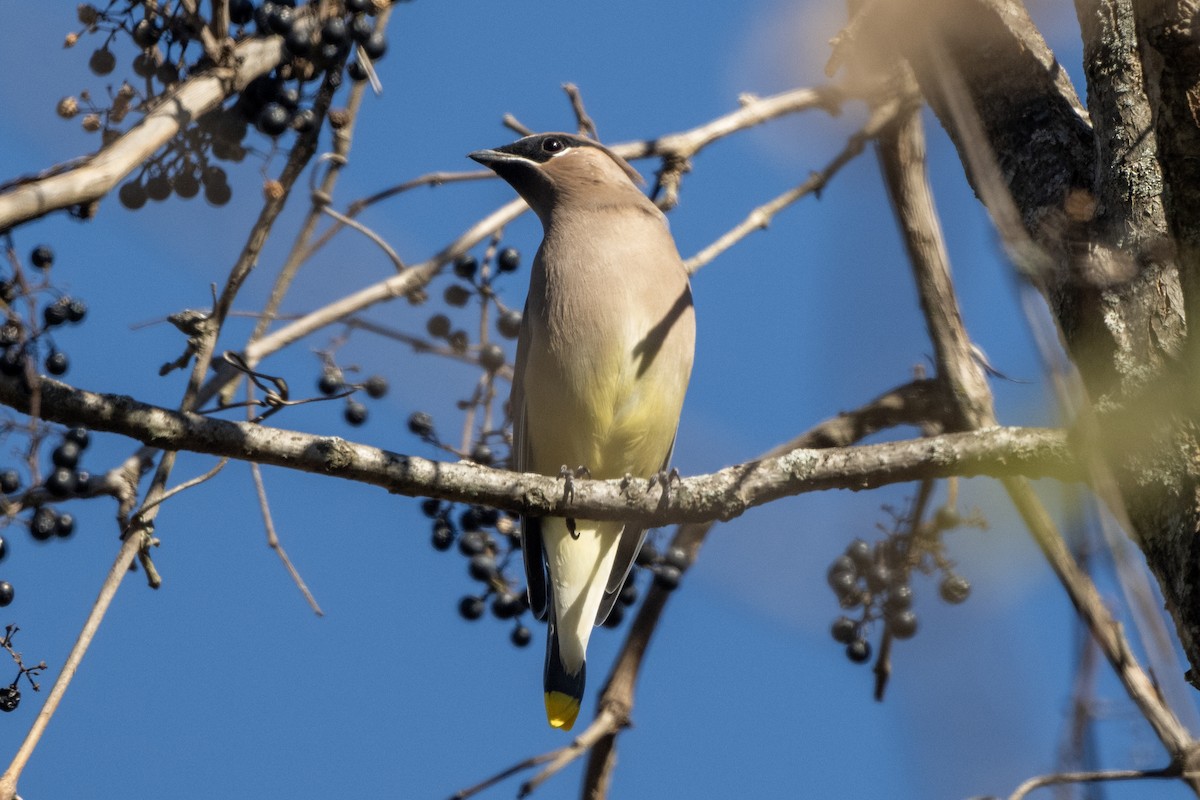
(531, 527)
(628, 547)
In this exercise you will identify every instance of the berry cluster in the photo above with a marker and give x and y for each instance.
(10, 696)
(22, 340)
(875, 579)
(490, 540)
(318, 39)
(332, 383)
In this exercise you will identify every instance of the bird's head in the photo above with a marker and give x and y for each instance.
(561, 170)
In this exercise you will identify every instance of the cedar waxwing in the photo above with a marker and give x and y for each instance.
(603, 361)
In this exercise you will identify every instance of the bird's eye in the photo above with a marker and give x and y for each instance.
(552, 145)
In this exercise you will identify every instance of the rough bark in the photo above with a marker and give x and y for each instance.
(1111, 198)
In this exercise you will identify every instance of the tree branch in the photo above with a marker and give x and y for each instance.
(721, 495)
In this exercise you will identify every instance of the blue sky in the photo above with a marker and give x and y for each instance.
(222, 683)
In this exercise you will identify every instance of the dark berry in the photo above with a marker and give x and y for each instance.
(273, 119)
(214, 176)
(375, 45)
(509, 324)
(844, 630)
(359, 6)
(482, 454)
(443, 536)
(507, 605)
(57, 363)
(146, 63)
(421, 424)
(10, 481)
(3, 548)
(186, 184)
(482, 567)
(647, 556)
(903, 624)
(304, 120)
(842, 565)
(66, 455)
(629, 593)
(899, 598)
(102, 61)
(76, 310)
(878, 577)
(947, 517)
(79, 436)
(355, 413)
(471, 519)
(43, 523)
(8, 293)
(10, 698)
(132, 195)
(456, 295)
(330, 382)
(491, 357)
(858, 651)
(508, 259)
(42, 257)
(471, 607)
(676, 557)
(55, 314)
(860, 553)
(431, 507)
(357, 71)
(472, 543)
(12, 363)
(61, 482)
(281, 19)
(465, 267)
(241, 11)
(376, 387)
(488, 517)
(954, 589)
(145, 34)
(218, 194)
(64, 526)
(299, 41)
(667, 577)
(361, 29)
(167, 73)
(521, 636)
(6, 593)
(288, 97)
(438, 326)
(843, 583)
(83, 482)
(334, 31)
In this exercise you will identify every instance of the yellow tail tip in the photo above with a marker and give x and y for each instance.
(561, 710)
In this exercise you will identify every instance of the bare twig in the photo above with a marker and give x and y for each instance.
(274, 543)
(584, 123)
(1093, 777)
(761, 217)
(370, 234)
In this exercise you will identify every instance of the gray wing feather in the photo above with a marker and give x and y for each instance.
(531, 527)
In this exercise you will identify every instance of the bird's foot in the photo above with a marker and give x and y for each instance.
(569, 475)
(664, 479)
(626, 481)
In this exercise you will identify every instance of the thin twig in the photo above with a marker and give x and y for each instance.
(1097, 776)
(370, 234)
(274, 543)
(761, 217)
(584, 123)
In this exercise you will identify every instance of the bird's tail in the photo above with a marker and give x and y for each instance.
(564, 690)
